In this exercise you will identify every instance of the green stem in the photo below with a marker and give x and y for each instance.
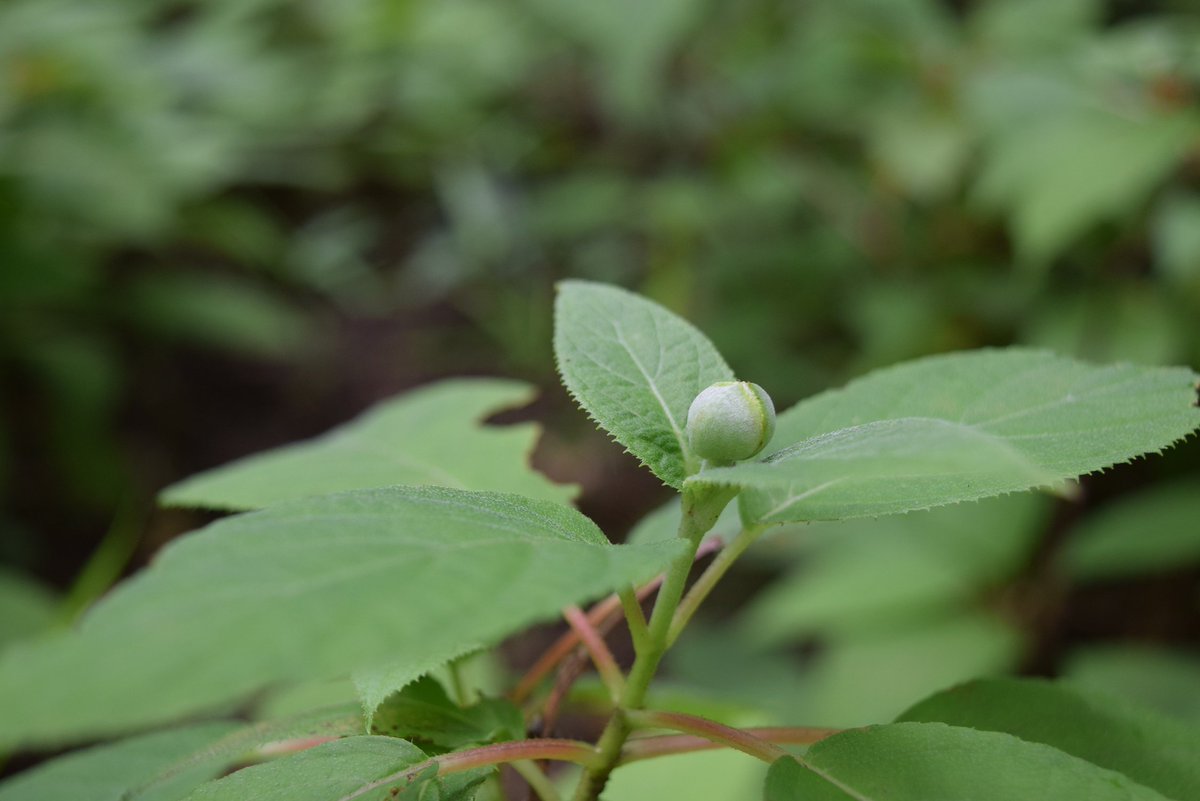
(635, 618)
(539, 782)
(709, 578)
(700, 510)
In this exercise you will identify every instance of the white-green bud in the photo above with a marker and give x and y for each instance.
(730, 421)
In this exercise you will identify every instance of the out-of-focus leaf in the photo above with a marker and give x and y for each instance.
(1059, 177)
(711, 776)
(922, 761)
(1105, 730)
(1177, 240)
(1156, 529)
(861, 679)
(311, 589)
(1156, 677)
(26, 607)
(217, 312)
(958, 427)
(871, 573)
(429, 436)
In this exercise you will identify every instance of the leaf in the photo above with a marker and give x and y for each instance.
(635, 368)
(871, 573)
(108, 772)
(332, 771)
(1155, 530)
(406, 576)
(428, 436)
(1159, 678)
(216, 311)
(711, 776)
(1151, 749)
(959, 427)
(924, 761)
(423, 714)
(1061, 175)
(26, 607)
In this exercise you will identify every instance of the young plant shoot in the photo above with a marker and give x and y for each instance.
(315, 646)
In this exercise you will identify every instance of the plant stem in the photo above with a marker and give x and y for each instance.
(539, 782)
(496, 754)
(700, 510)
(665, 745)
(603, 617)
(602, 658)
(635, 618)
(709, 578)
(739, 739)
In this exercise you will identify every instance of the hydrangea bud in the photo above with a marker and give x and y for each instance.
(730, 421)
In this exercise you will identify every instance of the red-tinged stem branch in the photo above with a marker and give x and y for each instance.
(561, 750)
(603, 616)
(602, 658)
(728, 736)
(637, 749)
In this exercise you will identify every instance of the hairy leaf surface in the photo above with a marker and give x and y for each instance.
(959, 427)
(127, 769)
(406, 576)
(431, 435)
(635, 368)
(1149, 748)
(339, 770)
(923, 761)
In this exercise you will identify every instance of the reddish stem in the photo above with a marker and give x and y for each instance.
(710, 730)
(667, 744)
(603, 616)
(496, 754)
(606, 665)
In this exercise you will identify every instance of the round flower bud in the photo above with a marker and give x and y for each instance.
(730, 421)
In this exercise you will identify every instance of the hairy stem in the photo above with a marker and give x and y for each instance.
(738, 739)
(668, 744)
(562, 750)
(602, 658)
(709, 578)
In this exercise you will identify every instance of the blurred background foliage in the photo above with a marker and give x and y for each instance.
(229, 224)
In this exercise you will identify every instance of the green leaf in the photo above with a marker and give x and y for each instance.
(423, 714)
(430, 436)
(110, 772)
(1063, 174)
(216, 311)
(635, 368)
(26, 607)
(924, 761)
(959, 427)
(711, 776)
(1159, 678)
(870, 573)
(1151, 749)
(332, 771)
(1158, 529)
(408, 576)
